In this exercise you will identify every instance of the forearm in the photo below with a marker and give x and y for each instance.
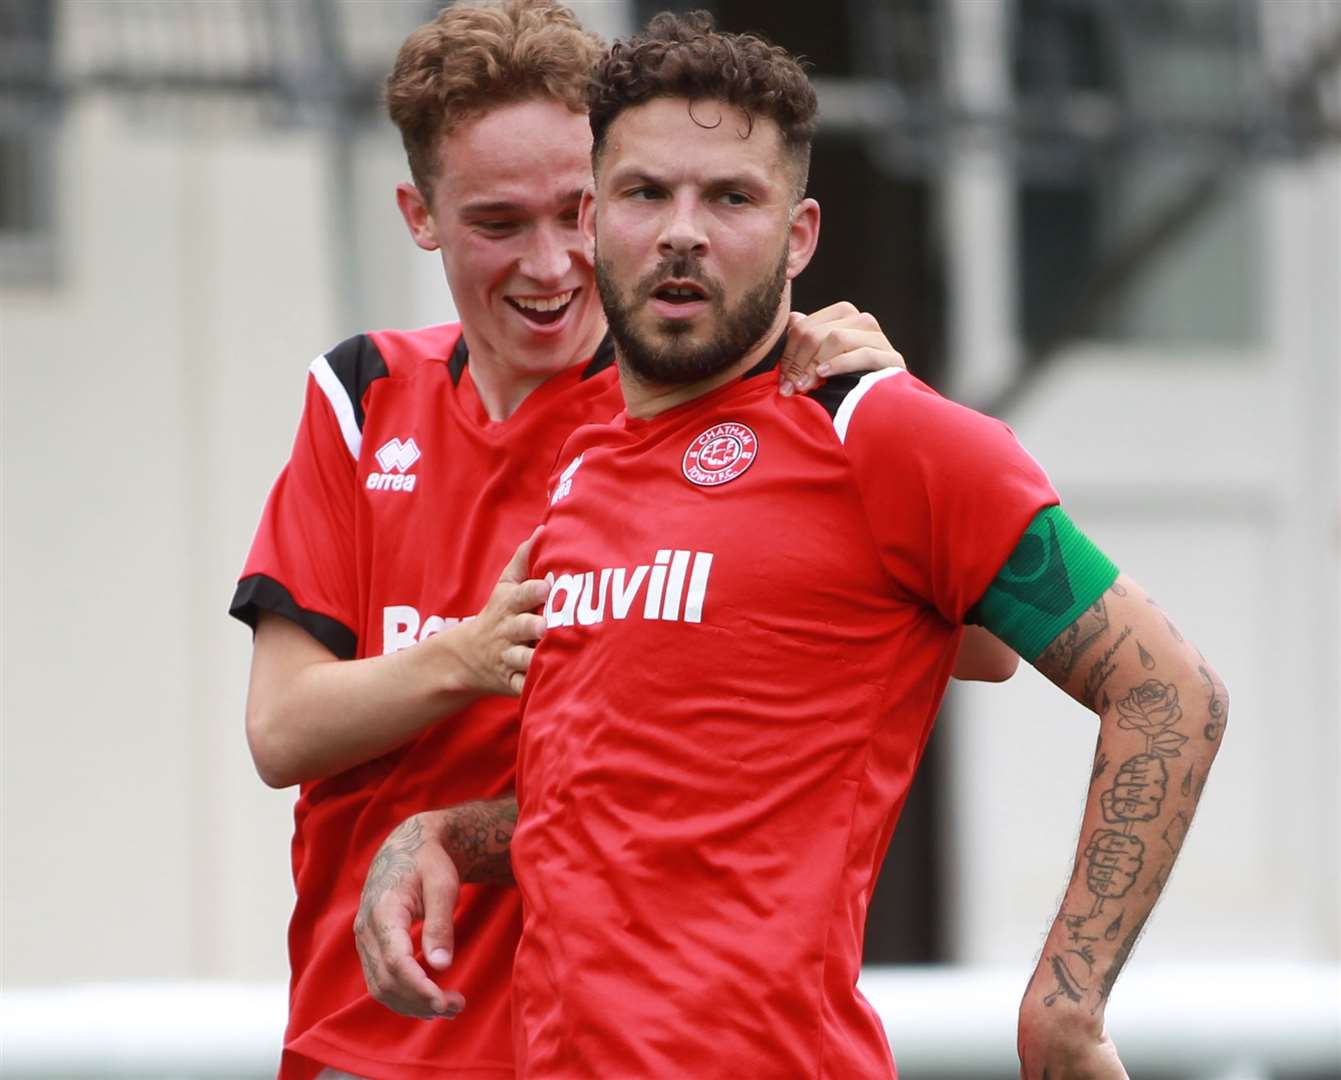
(478, 837)
(310, 715)
(1162, 711)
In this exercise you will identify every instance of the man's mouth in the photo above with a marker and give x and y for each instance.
(680, 293)
(543, 310)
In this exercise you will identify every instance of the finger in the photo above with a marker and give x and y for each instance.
(527, 595)
(785, 363)
(441, 886)
(843, 309)
(827, 334)
(409, 990)
(796, 365)
(517, 659)
(524, 628)
(402, 984)
(516, 569)
(862, 358)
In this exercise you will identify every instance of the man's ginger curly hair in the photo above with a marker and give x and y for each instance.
(684, 56)
(475, 57)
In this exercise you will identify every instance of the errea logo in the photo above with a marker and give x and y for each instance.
(565, 484)
(395, 458)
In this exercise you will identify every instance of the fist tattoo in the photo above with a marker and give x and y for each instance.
(1138, 790)
(1113, 861)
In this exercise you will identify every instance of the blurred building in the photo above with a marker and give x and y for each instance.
(1114, 223)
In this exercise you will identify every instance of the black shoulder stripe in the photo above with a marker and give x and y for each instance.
(601, 359)
(456, 363)
(259, 593)
(357, 364)
(834, 390)
(770, 360)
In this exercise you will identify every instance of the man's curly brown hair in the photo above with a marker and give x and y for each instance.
(474, 57)
(685, 56)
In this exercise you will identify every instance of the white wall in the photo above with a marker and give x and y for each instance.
(1213, 480)
(149, 400)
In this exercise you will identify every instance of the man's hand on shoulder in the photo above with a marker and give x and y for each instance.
(496, 646)
(411, 877)
(835, 340)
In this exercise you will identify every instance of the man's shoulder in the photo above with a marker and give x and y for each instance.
(404, 352)
(892, 406)
(349, 369)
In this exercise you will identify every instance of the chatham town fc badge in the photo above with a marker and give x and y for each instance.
(720, 454)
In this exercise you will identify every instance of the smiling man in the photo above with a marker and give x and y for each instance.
(755, 607)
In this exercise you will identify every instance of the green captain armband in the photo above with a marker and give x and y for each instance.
(1051, 577)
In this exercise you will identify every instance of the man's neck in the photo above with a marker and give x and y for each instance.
(643, 399)
(502, 388)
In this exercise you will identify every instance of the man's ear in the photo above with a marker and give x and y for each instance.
(586, 217)
(802, 236)
(418, 217)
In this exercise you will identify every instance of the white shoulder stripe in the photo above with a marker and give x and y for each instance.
(843, 416)
(343, 408)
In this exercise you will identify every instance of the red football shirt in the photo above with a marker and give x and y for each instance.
(398, 508)
(755, 611)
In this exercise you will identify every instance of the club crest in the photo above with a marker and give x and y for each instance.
(720, 454)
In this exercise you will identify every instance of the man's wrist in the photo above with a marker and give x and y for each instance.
(449, 655)
(1060, 998)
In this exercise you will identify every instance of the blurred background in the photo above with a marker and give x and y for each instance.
(1116, 224)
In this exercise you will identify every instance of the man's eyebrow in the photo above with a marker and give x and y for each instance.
(508, 206)
(733, 180)
(742, 180)
(637, 176)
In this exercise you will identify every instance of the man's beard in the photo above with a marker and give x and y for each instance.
(675, 360)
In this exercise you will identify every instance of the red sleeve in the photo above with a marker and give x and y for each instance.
(301, 564)
(948, 491)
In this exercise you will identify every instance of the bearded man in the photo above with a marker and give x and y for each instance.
(754, 610)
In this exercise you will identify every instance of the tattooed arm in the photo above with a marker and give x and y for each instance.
(417, 873)
(1162, 711)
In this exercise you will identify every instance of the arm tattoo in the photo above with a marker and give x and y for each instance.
(1216, 708)
(393, 861)
(1147, 661)
(478, 836)
(1124, 951)
(1059, 658)
(1115, 856)
(1104, 667)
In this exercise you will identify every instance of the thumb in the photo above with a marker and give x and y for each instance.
(518, 566)
(442, 885)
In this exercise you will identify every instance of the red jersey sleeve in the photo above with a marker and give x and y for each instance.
(948, 491)
(302, 561)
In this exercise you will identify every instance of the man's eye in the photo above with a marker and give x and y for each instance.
(646, 193)
(496, 228)
(734, 198)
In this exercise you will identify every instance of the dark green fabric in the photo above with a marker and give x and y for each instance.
(1052, 576)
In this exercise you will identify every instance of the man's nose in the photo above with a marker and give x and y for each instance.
(683, 232)
(547, 258)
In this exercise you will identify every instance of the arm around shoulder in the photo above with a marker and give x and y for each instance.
(311, 715)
